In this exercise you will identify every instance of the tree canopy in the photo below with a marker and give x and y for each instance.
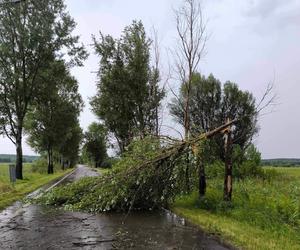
(128, 94)
(211, 104)
(95, 145)
(53, 119)
(32, 35)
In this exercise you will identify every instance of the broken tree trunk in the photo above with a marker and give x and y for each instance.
(228, 164)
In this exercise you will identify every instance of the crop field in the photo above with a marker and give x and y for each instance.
(265, 213)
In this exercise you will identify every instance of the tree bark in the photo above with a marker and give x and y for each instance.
(187, 174)
(50, 161)
(62, 163)
(19, 157)
(202, 180)
(228, 166)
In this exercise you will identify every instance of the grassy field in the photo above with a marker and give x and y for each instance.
(265, 214)
(31, 182)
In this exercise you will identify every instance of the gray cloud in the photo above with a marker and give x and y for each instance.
(265, 8)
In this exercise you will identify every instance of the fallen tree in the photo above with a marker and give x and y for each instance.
(147, 177)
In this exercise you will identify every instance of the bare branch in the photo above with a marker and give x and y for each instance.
(268, 99)
(192, 39)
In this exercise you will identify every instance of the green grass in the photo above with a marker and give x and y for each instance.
(31, 182)
(103, 170)
(263, 214)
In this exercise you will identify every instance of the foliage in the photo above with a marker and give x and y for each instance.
(32, 34)
(145, 177)
(70, 148)
(53, 119)
(210, 106)
(286, 162)
(129, 185)
(215, 170)
(205, 98)
(245, 165)
(41, 166)
(128, 95)
(95, 144)
(249, 163)
(269, 209)
(9, 158)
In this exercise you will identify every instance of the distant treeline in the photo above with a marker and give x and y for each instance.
(12, 158)
(281, 162)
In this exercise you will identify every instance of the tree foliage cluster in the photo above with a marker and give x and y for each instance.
(128, 93)
(127, 186)
(94, 148)
(52, 122)
(34, 35)
(211, 104)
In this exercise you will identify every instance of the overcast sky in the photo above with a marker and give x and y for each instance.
(252, 43)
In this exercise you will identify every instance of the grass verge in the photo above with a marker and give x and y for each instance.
(31, 182)
(263, 214)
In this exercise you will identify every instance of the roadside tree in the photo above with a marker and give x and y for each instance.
(32, 34)
(128, 95)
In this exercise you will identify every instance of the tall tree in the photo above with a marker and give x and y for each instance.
(32, 33)
(54, 115)
(212, 105)
(205, 103)
(95, 143)
(191, 31)
(128, 93)
(69, 150)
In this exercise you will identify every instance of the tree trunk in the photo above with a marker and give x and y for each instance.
(187, 173)
(19, 157)
(62, 163)
(228, 166)
(202, 180)
(50, 161)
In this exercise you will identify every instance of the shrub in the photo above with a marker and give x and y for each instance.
(215, 170)
(246, 164)
(39, 166)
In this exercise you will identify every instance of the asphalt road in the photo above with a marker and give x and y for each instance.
(33, 227)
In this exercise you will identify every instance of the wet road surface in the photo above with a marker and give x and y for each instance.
(24, 226)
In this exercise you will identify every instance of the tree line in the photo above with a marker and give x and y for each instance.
(37, 92)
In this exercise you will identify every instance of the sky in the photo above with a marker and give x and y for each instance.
(251, 43)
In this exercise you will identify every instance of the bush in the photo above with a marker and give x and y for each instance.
(215, 170)
(246, 164)
(39, 166)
